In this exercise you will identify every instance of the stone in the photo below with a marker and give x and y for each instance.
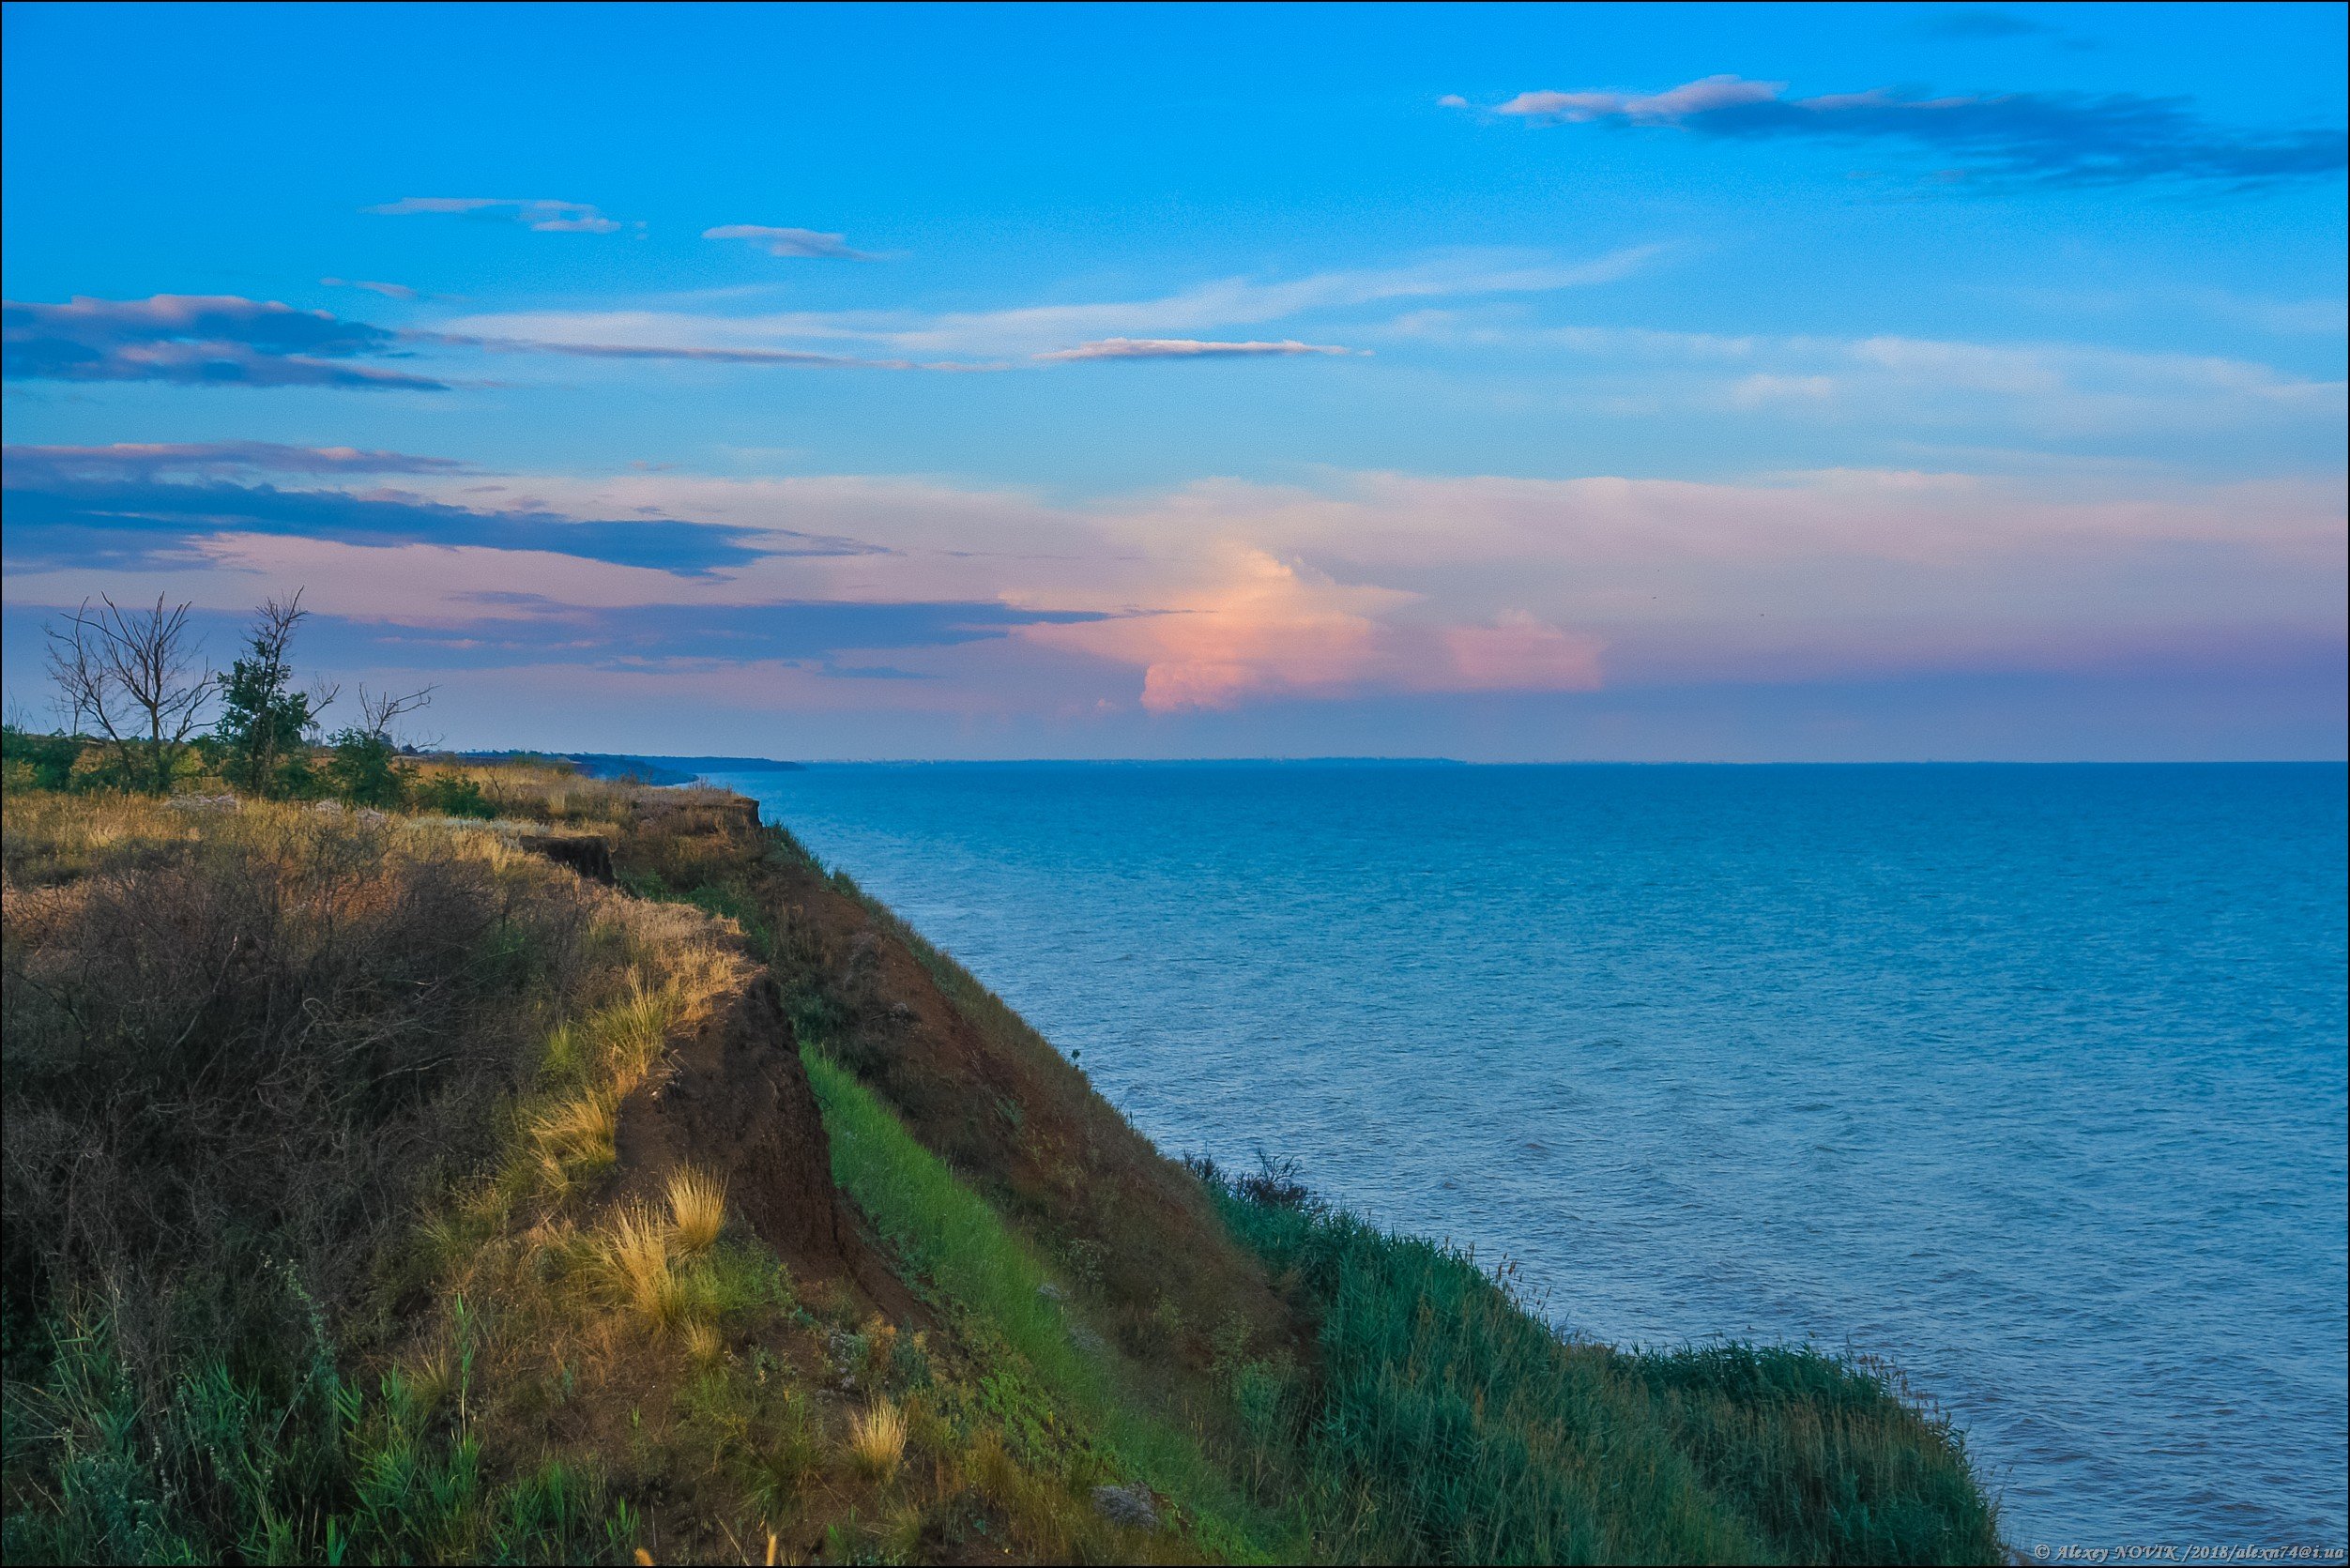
(1131, 1506)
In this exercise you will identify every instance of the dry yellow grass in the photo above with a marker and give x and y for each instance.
(703, 1341)
(876, 1439)
(575, 1136)
(634, 1256)
(697, 1208)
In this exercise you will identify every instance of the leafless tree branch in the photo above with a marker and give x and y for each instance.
(380, 710)
(135, 675)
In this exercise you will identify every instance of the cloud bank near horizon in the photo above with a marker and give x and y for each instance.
(1214, 596)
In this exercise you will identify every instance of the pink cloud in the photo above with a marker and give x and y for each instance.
(1518, 653)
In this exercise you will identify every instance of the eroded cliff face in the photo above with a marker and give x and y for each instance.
(735, 1101)
(973, 1082)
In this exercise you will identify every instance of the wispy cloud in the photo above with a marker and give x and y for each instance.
(198, 339)
(1225, 594)
(545, 216)
(2056, 386)
(1193, 313)
(1981, 24)
(657, 351)
(389, 290)
(790, 242)
(1186, 348)
(147, 460)
(2041, 138)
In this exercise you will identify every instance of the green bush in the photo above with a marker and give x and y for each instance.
(452, 794)
(362, 769)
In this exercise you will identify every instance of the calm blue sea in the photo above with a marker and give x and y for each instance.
(2030, 1080)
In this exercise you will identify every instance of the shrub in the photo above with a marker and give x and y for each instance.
(247, 1032)
(452, 794)
(362, 772)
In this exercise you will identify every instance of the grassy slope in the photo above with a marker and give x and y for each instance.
(960, 1245)
(506, 1383)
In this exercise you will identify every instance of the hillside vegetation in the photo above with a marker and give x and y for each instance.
(589, 1175)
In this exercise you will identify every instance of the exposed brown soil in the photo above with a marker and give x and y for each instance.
(735, 1101)
(584, 853)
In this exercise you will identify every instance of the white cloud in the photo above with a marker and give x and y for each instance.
(2056, 387)
(1223, 593)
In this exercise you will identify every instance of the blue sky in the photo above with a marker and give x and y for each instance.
(1759, 382)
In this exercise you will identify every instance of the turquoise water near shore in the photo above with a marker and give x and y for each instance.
(2030, 1080)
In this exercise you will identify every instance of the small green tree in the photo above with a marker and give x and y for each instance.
(363, 769)
(264, 721)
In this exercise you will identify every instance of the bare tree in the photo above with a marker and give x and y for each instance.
(380, 711)
(134, 674)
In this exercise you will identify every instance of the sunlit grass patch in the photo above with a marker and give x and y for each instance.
(633, 1255)
(697, 1208)
(703, 1341)
(876, 1439)
(573, 1137)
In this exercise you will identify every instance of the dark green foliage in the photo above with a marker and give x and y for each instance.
(1450, 1424)
(1821, 1453)
(362, 769)
(263, 720)
(47, 759)
(452, 794)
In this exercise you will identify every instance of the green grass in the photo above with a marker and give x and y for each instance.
(1450, 1424)
(949, 1234)
(272, 1465)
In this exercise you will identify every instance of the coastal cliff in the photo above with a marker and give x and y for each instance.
(599, 1176)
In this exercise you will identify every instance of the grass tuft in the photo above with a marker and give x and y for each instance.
(876, 1439)
(574, 1137)
(1452, 1425)
(633, 1254)
(704, 1342)
(697, 1207)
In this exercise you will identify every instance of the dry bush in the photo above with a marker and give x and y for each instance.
(241, 1036)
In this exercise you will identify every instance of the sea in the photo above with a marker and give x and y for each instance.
(2028, 1080)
